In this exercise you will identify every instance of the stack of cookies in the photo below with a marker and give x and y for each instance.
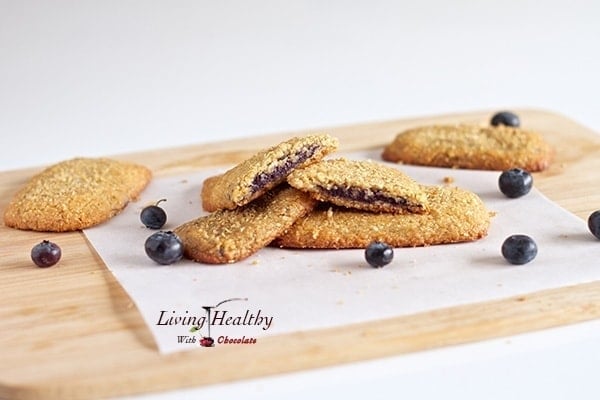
(251, 204)
(291, 196)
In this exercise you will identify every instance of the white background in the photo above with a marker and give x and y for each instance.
(86, 78)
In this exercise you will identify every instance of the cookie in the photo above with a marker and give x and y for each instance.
(363, 185)
(76, 194)
(227, 236)
(210, 191)
(263, 171)
(455, 215)
(472, 147)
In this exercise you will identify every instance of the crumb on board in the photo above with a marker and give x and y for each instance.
(254, 262)
(448, 180)
(341, 271)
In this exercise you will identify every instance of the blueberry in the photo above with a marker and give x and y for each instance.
(164, 247)
(519, 249)
(45, 254)
(379, 254)
(153, 216)
(515, 182)
(594, 223)
(506, 118)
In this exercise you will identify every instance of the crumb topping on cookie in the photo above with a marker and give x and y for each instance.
(76, 194)
(268, 168)
(471, 146)
(364, 185)
(227, 236)
(455, 215)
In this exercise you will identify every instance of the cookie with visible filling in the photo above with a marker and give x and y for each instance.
(455, 215)
(227, 236)
(76, 194)
(263, 171)
(471, 147)
(363, 185)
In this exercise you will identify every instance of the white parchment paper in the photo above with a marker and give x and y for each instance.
(281, 291)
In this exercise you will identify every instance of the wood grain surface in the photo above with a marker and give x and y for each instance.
(71, 331)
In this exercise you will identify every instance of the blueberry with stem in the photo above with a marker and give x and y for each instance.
(154, 217)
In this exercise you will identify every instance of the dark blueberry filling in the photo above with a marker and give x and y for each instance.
(285, 165)
(364, 196)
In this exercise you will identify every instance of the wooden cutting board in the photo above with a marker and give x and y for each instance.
(71, 331)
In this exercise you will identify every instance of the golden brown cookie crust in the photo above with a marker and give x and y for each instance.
(455, 215)
(227, 236)
(76, 194)
(265, 170)
(210, 193)
(472, 147)
(364, 185)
